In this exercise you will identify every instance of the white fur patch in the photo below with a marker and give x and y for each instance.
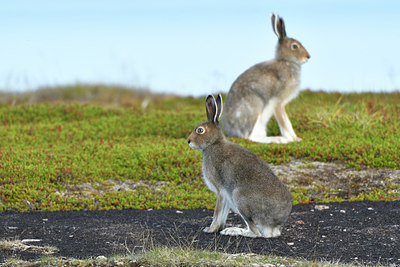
(208, 183)
(272, 140)
(260, 127)
(276, 26)
(235, 231)
(304, 60)
(269, 232)
(193, 146)
(222, 106)
(238, 114)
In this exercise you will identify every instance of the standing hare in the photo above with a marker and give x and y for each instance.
(265, 89)
(241, 181)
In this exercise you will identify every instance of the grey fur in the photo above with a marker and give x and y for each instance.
(241, 181)
(264, 89)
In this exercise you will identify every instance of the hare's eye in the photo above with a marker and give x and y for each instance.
(295, 46)
(200, 130)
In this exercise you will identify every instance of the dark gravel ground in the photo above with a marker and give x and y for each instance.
(357, 232)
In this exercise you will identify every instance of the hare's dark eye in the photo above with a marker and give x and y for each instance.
(295, 46)
(200, 130)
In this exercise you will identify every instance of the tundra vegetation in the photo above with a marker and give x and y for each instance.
(96, 147)
(99, 148)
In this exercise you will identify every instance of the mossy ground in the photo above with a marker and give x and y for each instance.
(50, 146)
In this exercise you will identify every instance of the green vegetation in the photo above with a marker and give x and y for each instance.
(174, 257)
(132, 153)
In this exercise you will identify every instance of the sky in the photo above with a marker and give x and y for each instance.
(195, 47)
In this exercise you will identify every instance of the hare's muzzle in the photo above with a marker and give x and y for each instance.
(306, 56)
(191, 144)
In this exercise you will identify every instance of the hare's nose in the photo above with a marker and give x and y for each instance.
(188, 141)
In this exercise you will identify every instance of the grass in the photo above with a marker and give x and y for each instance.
(18, 245)
(51, 147)
(175, 257)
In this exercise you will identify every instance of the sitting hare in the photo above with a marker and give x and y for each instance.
(265, 89)
(241, 180)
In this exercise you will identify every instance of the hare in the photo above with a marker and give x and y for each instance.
(264, 90)
(242, 182)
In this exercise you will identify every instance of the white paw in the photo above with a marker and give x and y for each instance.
(209, 230)
(298, 139)
(235, 231)
(271, 140)
(232, 231)
(276, 232)
(269, 232)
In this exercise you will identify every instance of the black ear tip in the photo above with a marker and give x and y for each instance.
(210, 97)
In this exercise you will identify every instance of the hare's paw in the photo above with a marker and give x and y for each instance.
(276, 232)
(271, 140)
(297, 139)
(276, 139)
(235, 231)
(269, 232)
(210, 230)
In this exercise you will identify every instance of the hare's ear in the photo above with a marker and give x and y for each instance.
(273, 17)
(211, 108)
(278, 26)
(220, 107)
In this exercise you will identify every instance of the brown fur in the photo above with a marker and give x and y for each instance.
(240, 179)
(264, 88)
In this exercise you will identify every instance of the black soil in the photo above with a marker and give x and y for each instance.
(357, 232)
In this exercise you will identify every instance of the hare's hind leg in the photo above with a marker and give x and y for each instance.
(239, 117)
(251, 231)
(259, 132)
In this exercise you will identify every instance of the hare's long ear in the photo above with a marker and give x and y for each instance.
(281, 27)
(220, 107)
(211, 109)
(273, 17)
(278, 26)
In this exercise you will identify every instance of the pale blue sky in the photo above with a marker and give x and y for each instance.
(195, 47)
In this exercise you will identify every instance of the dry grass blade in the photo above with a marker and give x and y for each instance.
(17, 245)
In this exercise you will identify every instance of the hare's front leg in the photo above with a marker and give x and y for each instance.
(284, 124)
(259, 131)
(220, 215)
